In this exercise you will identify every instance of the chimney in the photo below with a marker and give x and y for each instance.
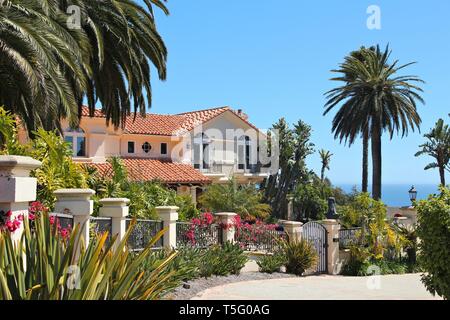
(242, 114)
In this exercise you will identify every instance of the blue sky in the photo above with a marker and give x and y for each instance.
(272, 59)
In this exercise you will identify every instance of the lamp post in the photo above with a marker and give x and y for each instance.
(412, 194)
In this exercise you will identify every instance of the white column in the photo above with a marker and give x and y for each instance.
(78, 203)
(226, 219)
(293, 229)
(169, 216)
(17, 188)
(332, 227)
(117, 209)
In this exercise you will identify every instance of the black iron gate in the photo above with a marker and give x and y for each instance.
(316, 233)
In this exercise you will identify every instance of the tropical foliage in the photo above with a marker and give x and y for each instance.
(437, 147)
(45, 265)
(294, 147)
(380, 243)
(57, 170)
(325, 158)
(144, 196)
(434, 232)
(244, 200)
(373, 99)
(54, 54)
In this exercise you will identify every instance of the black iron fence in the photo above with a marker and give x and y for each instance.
(198, 236)
(143, 232)
(64, 220)
(100, 225)
(259, 240)
(349, 237)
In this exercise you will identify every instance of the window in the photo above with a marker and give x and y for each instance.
(146, 147)
(163, 148)
(130, 146)
(77, 139)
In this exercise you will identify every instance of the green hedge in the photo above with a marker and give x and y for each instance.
(434, 245)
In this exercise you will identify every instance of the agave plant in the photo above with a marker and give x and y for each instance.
(46, 265)
(300, 255)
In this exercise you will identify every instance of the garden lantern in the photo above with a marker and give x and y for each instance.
(412, 194)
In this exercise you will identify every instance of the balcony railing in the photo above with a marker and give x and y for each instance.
(225, 169)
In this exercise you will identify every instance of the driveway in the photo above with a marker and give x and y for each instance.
(324, 287)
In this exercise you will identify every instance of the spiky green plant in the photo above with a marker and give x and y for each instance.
(300, 255)
(43, 265)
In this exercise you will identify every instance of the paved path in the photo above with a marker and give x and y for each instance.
(391, 287)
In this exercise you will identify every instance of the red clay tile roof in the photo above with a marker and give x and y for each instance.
(167, 125)
(152, 169)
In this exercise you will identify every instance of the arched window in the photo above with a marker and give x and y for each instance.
(77, 139)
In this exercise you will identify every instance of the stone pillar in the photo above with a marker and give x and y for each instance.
(78, 203)
(293, 229)
(117, 209)
(226, 219)
(193, 191)
(332, 227)
(17, 188)
(169, 216)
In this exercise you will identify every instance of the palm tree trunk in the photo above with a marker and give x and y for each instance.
(376, 161)
(322, 173)
(442, 175)
(365, 161)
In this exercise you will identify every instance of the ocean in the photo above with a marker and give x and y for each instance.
(396, 195)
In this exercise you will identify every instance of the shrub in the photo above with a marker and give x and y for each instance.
(300, 256)
(183, 267)
(44, 264)
(144, 195)
(271, 263)
(244, 200)
(223, 260)
(433, 230)
(357, 263)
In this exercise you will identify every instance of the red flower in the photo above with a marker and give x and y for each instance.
(65, 233)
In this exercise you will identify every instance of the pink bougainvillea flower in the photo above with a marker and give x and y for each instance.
(9, 213)
(31, 216)
(52, 220)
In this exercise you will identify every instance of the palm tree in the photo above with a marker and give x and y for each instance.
(348, 133)
(438, 147)
(47, 68)
(376, 100)
(36, 52)
(124, 40)
(325, 158)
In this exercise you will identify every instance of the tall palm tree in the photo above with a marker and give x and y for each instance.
(124, 41)
(36, 53)
(348, 133)
(378, 99)
(48, 68)
(325, 158)
(438, 147)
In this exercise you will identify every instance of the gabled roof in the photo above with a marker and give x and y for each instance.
(154, 169)
(168, 125)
